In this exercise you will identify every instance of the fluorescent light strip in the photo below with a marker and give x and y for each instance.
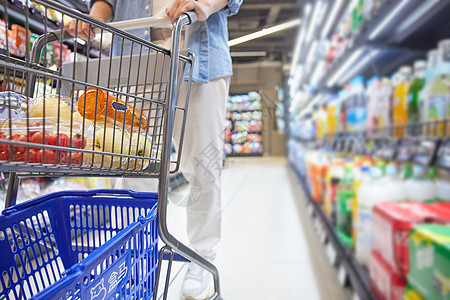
(248, 54)
(356, 68)
(300, 39)
(345, 67)
(418, 13)
(334, 11)
(264, 32)
(312, 51)
(387, 20)
(312, 21)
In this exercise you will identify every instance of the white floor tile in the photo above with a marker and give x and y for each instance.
(269, 249)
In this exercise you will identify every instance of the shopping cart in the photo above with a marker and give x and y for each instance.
(101, 115)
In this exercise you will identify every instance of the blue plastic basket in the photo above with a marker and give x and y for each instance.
(99, 244)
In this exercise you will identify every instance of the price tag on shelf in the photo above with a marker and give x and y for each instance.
(331, 253)
(323, 236)
(310, 210)
(358, 146)
(406, 150)
(425, 151)
(443, 157)
(369, 146)
(342, 276)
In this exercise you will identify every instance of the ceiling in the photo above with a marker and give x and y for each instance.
(255, 15)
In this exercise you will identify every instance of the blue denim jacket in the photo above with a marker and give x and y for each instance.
(208, 40)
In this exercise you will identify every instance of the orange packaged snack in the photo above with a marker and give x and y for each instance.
(109, 107)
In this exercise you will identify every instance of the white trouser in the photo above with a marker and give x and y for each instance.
(201, 163)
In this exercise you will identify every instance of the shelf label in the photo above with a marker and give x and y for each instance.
(443, 159)
(358, 146)
(406, 149)
(425, 151)
(342, 276)
(387, 149)
(310, 210)
(331, 253)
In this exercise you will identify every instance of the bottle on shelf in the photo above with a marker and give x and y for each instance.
(415, 88)
(370, 192)
(399, 105)
(420, 187)
(344, 203)
(373, 104)
(424, 93)
(439, 93)
(360, 104)
(383, 108)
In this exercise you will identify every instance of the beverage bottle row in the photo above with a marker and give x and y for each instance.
(414, 101)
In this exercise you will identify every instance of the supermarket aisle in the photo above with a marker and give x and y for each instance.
(269, 249)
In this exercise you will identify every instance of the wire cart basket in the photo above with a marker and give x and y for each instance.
(109, 113)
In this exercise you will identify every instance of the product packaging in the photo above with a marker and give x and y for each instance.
(430, 261)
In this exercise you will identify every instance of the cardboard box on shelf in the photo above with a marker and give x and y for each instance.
(430, 261)
(392, 224)
(385, 282)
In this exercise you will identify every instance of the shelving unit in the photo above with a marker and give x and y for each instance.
(243, 135)
(399, 32)
(379, 47)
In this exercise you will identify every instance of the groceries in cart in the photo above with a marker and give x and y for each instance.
(99, 123)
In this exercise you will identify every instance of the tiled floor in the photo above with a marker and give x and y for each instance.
(269, 249)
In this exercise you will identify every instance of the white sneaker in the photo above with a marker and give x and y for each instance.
(198, 284)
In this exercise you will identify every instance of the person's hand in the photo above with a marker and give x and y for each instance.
(203, 8)
(82, 32)
(100, 10)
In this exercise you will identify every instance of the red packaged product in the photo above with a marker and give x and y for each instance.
(385, 283)
(20, 39)
(392, 224)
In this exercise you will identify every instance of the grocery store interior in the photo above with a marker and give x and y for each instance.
(335, 181)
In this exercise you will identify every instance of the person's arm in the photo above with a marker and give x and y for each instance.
(100, 10)
(203, 8)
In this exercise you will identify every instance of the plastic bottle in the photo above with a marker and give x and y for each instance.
(350, 105)
(439, 93)
(383, 108)
(419, 187)
(395, 190)
(415, 88)
(334, 176)
(424, 93)
(370, 192)
(344, 203)
(399, 107)
(360, 112)
(373, 104)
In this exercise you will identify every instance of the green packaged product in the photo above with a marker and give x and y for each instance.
(411, 294)
(429, 252)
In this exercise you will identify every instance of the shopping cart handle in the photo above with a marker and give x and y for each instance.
(155, 22)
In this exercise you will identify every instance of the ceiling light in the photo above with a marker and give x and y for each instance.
(345, 67)
(248, 54)
(357, 68)
(334, 12)
(387, 20)
(417, 15)
(300, 39)
(264, 32)
(312, 22)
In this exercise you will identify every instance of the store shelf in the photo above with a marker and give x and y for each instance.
(17, 14)
(400, 32)
(244, 154)
(337, 253)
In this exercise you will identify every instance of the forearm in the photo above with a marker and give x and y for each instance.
(212, 6)
(102, 11)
